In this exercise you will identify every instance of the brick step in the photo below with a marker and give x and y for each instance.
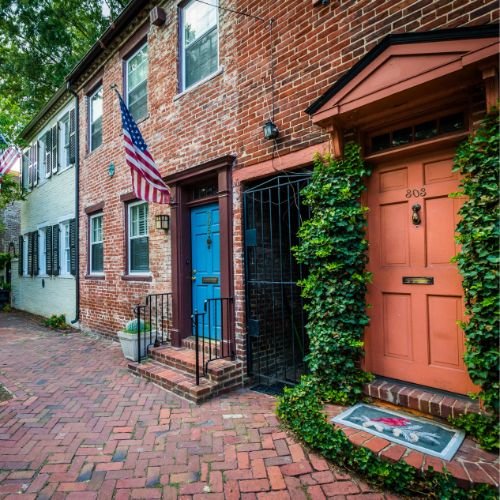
(180, 383)
(470, 466)
(219, 370)
(423, 399)
(208, 345)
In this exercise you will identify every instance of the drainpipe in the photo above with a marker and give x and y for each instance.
(77, 201)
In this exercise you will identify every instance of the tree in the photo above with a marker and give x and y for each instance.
(40, 41)
(10, 191)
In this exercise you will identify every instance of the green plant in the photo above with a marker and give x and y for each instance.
(4, 259)
(5, 286)
(301, 410)
(478, 259)
(483, 428)
(7, 308)
(334, 249)
(56, 322)
(131, 326)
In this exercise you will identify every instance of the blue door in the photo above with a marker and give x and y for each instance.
(205, 256)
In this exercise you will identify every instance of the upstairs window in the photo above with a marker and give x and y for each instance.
(137, 83)
(96, 244)
(95, 119)
(199, 42)
(138, 244)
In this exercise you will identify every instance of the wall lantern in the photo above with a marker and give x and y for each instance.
(163, 222)
(271, 130)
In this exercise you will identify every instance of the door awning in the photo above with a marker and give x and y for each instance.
(406, 66)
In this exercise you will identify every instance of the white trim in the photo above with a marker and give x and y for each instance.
(129, 238)
(182, 48)
(91, 232)
(90, 122)
(127, 90)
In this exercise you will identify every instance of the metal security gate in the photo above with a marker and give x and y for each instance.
(277, 342)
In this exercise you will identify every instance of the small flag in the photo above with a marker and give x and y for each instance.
(146, 179)
(8, 158)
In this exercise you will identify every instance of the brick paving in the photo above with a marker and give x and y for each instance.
(82, 427)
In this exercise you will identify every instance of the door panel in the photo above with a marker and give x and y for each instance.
(413, 333)
(205, 253)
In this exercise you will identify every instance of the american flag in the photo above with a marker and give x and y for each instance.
(8, 158)
(146, 180)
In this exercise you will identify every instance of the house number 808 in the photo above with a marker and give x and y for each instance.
(416, 193)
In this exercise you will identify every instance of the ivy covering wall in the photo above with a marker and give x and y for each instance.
(333, 245)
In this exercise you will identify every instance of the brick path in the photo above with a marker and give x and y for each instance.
(82, 427)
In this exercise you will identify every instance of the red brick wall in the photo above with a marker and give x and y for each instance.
(313, 47)
(195, 127)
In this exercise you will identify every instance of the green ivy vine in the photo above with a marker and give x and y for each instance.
(478, 234)
(334, 248)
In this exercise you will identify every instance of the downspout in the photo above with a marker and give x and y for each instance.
(77, 201)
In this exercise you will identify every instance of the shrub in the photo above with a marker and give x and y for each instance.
(56, 322)
(131, 326)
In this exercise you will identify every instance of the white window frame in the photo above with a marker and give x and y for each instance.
(91, 122)
(127, 88)
(42, 161)
(91, 242)
(183, 48)
(25, 254)
(42, 255)
(130, 238)
(65, 266)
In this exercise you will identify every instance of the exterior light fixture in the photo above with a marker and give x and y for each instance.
(271, 130)
(163, 222)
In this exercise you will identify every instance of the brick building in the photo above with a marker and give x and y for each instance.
(402, 78)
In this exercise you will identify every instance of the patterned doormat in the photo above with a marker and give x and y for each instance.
(417, 433)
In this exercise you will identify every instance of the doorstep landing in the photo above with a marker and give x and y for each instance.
(423, 399)
(470, 466)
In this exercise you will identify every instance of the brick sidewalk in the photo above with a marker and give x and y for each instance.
(82, 427)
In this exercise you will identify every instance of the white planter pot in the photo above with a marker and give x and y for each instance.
(129, 345)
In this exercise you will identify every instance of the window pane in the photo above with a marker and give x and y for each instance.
(198, 19)
(138, 101)
(96, 105)
(96, 131)
(137, 68)
(97, 263)
(139, 220)
(201, 58)
(139, 254)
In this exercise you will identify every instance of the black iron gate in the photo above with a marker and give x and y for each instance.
(277, 342)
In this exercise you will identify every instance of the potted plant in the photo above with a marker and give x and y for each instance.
(4, 294)
(129, 341)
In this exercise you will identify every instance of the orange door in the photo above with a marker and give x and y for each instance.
(413, 333)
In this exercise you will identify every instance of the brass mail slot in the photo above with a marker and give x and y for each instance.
(418, 280)
(210, 280)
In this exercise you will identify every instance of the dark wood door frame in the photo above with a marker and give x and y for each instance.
(181, 184)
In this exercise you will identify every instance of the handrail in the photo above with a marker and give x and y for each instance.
(156, 319)
(217, 336)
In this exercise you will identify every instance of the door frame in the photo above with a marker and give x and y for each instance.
(181, 185)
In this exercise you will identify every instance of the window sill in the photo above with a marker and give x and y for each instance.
(92, 151)
(65, 276)
(95, 277)
(199, 84)
(137, 277)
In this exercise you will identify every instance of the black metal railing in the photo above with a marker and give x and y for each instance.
(214, 333)
(153, 322)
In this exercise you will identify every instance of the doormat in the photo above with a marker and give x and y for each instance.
(419, 434)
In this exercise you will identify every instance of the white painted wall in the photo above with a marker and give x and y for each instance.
(51, 202)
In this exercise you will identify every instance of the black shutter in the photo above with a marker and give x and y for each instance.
(36, 264)
(55, 250)
(72, 137)
(20, 256)
(55, 148)
(72, 246)
(30, 254)
(48, 153)
(48, 250)
(34, 163)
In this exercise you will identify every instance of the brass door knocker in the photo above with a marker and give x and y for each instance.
(415, 218)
